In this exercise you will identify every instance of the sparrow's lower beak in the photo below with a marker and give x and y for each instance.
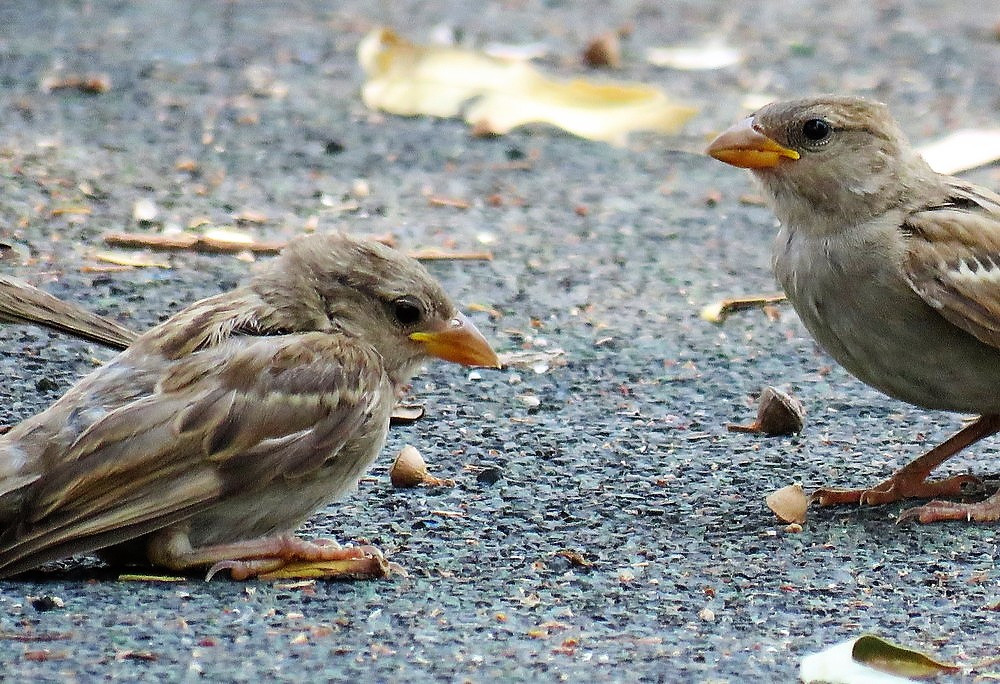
(460, 342)
(746, 147)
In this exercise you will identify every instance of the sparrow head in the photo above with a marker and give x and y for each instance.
(829, 154)
(370, 291)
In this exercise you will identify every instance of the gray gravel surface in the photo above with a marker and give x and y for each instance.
(605, 253)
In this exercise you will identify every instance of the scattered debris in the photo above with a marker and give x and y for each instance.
(73, 209)
(409, 470)
(31, 637)
(604, 51)
(405, 414)
(130, 260)
(489, 475)
(144, 211)
(540, 361)
(963, 150)
(91, 84)
(251, 216)
(575, 558)
(435, 254)
(44, 655)
(227, 241)
(497, 95)
(446, 514)
(529, 400)
(711, 54)
(789, 504)
(151, 578)
(439, 201)
(720, 310)
(129, 654)
(46, 602)
(778, 413)
(360, 189)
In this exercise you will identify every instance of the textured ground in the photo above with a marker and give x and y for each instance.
(602, 252)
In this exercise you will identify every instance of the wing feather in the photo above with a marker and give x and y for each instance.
(953, 259)
(220, 422)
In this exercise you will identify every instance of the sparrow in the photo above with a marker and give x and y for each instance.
(215, 434)
(893, 268)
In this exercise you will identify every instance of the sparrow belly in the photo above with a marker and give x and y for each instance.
(909, 352)
(286, 502)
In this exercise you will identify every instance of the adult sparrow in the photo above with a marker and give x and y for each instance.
(216, 433)
(893, 268)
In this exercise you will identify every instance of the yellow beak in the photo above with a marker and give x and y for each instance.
(459, 342)
(746, 147)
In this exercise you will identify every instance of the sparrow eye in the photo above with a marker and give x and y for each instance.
(816, 130)
(407, 311)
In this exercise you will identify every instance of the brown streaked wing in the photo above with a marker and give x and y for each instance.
(223, 422)
(953, 259)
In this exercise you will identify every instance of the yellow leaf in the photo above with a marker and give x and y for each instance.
(963, 150)
(133, 260)
(498, 95)
(888, 657)
(869, 660)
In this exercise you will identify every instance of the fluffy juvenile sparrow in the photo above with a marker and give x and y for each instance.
(21, 302)
(893, 268)
(216, 433)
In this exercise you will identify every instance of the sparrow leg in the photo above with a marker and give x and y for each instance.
(279, 557)
(986, 511)
(910, 481)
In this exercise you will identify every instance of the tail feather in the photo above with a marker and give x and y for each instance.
(24, 303)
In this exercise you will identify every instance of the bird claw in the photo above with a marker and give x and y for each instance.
(323, 559)
(987, 511)
(899, 488)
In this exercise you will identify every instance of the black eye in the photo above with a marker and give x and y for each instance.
(407, 311)
(816, 129)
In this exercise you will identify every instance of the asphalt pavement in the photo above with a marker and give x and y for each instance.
(605, 525)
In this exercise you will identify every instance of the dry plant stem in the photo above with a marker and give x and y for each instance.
(434, 254)
(201, 243)
(187, 241)
(910, 481)
(254, 557)
(728, 306)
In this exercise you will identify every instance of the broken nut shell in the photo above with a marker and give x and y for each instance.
(778, 413)
(410, 470)
(789, 504)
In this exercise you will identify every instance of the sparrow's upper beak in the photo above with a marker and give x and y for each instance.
(458, 341)
(746, 147)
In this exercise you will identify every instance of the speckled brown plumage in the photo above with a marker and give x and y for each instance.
(216, 433)
(893, 268)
